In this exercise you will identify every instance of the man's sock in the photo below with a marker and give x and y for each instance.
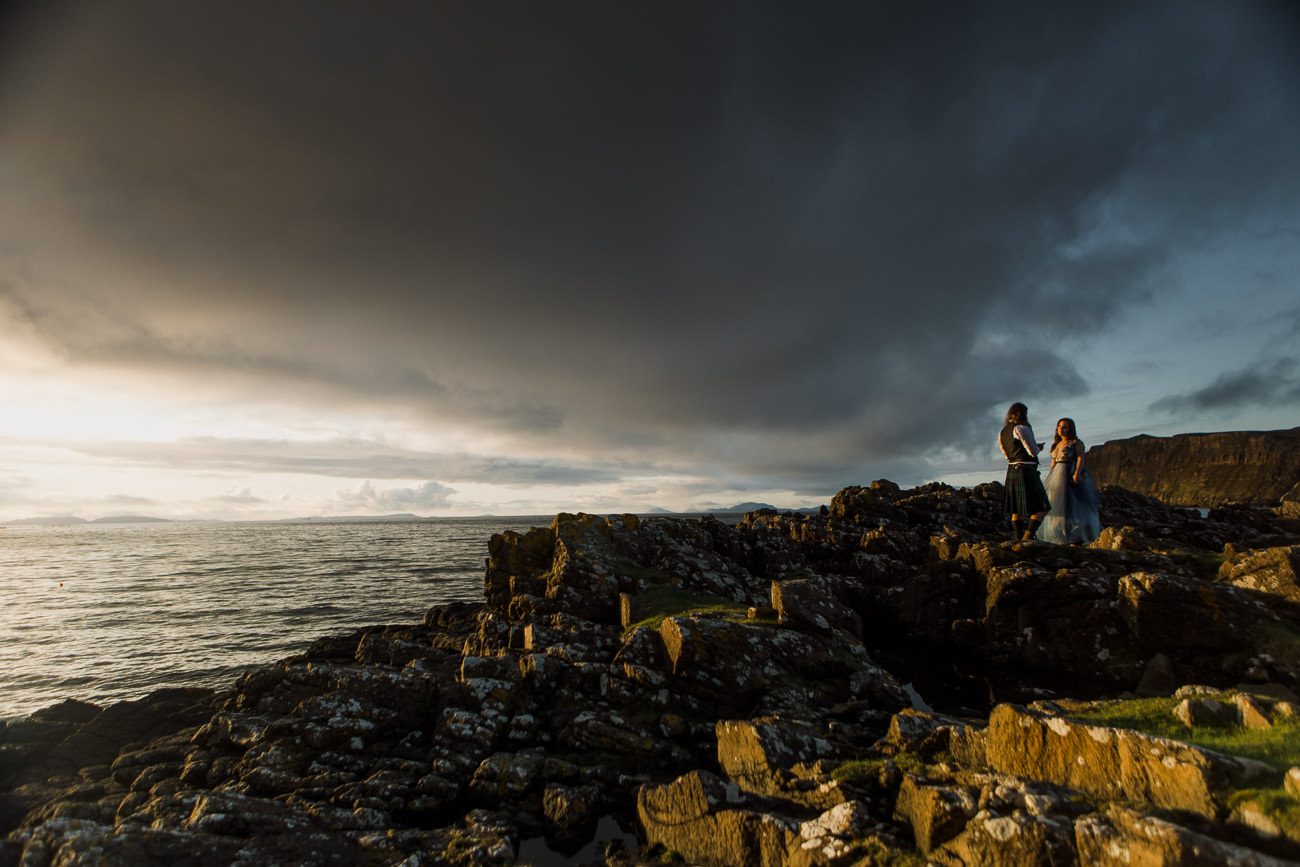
(1030, 529)
(1017, 529)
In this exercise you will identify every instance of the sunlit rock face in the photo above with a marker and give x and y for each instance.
(1258, 468)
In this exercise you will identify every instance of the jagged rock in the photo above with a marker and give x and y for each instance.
(915, 731)
(1123, 539)
(570, 810)
(839, 835)
(1253, 713)
(769, 756)
(1165, 612)
(706, 821)
(1292, 782)
(506, 776)
(1116, 763)
(812, 602)
(1271, 570)
(936, 812)
(1121, 836)
(1206, 712)
(990, 840)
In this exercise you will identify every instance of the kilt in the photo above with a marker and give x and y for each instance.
(1024, 494)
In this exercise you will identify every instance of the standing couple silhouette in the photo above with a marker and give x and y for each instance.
(1066, 510)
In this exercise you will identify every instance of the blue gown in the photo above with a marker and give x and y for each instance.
(1073, 518)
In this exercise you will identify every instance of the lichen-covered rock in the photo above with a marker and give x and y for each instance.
(814, 603)
(1121, 836)
(772, 756)
(1271, 570)
(709, 821)
(991, 840)
(1116, 763)
(936, 812)
(923, 732)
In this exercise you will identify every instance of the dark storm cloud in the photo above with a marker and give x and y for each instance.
(1268, 383)
(719, 235)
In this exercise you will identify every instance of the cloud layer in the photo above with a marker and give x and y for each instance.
(754, 243)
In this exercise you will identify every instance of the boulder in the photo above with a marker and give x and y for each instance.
(925, 732)
(709, 821)
(936, 812)
(1122, 836)
(570, 810)
(815, 603)
(1116, 763)
(764, 756)
(991, 840)
(1253, 713)
(1193, 712)
(1270, 570)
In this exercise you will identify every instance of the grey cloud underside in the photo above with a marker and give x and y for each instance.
(852, 227)
(352, 460)
(1268, 383)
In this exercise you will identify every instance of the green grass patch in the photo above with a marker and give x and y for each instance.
(656, 603)
(867, 771)
(1276, 804)
(858, 771)
(1278, 746)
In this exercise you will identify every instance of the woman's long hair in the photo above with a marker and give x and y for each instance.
(1018, 413)
(1072, 435)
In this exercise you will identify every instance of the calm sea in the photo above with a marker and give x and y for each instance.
(104, 612)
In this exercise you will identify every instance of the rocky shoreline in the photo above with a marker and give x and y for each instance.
(889, 682)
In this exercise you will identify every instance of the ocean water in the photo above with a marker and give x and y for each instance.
(106, 612)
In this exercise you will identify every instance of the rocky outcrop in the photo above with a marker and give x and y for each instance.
(1253, 467)
(735, 693)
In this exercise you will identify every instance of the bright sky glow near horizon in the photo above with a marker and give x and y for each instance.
(265, 261)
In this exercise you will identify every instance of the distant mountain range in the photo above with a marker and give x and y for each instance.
(64, 520)
(59, 520)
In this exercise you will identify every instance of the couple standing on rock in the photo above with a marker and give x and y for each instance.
(1070, 496)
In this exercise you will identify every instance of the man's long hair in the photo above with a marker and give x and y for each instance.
(1018, 413)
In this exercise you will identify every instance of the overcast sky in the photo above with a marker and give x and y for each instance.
(274, 259)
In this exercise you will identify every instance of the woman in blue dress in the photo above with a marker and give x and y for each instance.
(1073, 518)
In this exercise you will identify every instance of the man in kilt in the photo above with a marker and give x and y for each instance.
(1025, 496)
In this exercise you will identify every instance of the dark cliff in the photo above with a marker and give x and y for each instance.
(1254, 467)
